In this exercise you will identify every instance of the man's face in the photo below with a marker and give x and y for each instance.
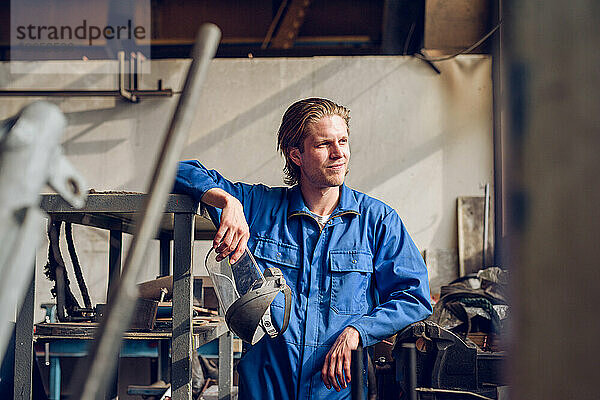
(324, 161)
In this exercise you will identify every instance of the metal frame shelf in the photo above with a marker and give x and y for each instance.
(182, 223)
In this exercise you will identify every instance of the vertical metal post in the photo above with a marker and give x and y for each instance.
(24, 344)
(54, 381)
(357, 374)
(165, 257)
(552, 85)
(411, 359)
(486, 226)
(499, 138)
(164, 345)
(115, 250)
(115, 246)
(225, 366)
(55, 371)
(181, 345)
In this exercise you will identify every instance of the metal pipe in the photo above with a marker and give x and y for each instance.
(357, 366)
(274, 23)
(105, 349)
(132, 94)
(499, 134)
(486, 224)
(132, 72)
(122, 90)
(84, 93)
(411, 358)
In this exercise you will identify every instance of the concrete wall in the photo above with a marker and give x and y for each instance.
(418, 139)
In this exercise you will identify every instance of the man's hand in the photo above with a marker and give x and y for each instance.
(233, 233)
(337, 361)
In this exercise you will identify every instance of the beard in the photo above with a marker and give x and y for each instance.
(324, 177)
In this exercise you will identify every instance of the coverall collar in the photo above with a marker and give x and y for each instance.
(347, 203)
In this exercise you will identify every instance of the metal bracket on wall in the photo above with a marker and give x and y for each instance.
(424, 58)
(131, 93)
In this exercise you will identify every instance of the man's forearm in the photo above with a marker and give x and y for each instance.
(217, 197)
(233, 232)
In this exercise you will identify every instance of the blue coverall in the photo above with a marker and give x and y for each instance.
(362, 270)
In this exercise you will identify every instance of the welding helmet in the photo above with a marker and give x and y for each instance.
(245, 295)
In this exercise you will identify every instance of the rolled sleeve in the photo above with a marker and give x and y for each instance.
(194, 180)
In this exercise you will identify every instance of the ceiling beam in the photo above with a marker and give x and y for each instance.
(290, 24)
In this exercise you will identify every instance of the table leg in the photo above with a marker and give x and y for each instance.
(54, 381)
(165, 257)
(115, 249)
(225, 366)
(164, 345)
(24, 345)
(181, 345)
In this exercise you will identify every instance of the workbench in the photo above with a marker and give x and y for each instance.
(182, 224)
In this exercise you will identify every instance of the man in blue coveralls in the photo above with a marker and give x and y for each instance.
(355, 274)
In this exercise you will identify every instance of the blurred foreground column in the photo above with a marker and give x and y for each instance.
(552, 92)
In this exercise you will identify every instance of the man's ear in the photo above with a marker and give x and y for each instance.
(294, 154)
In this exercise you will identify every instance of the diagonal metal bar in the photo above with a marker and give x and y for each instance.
(274, 23)
(93, 377)
(290, 25)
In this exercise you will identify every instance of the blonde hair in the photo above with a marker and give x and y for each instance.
(293, 129)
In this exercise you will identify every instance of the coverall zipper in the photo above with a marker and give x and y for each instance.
(318, 238)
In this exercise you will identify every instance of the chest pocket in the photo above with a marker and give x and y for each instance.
(270, 253)
(350, 275)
